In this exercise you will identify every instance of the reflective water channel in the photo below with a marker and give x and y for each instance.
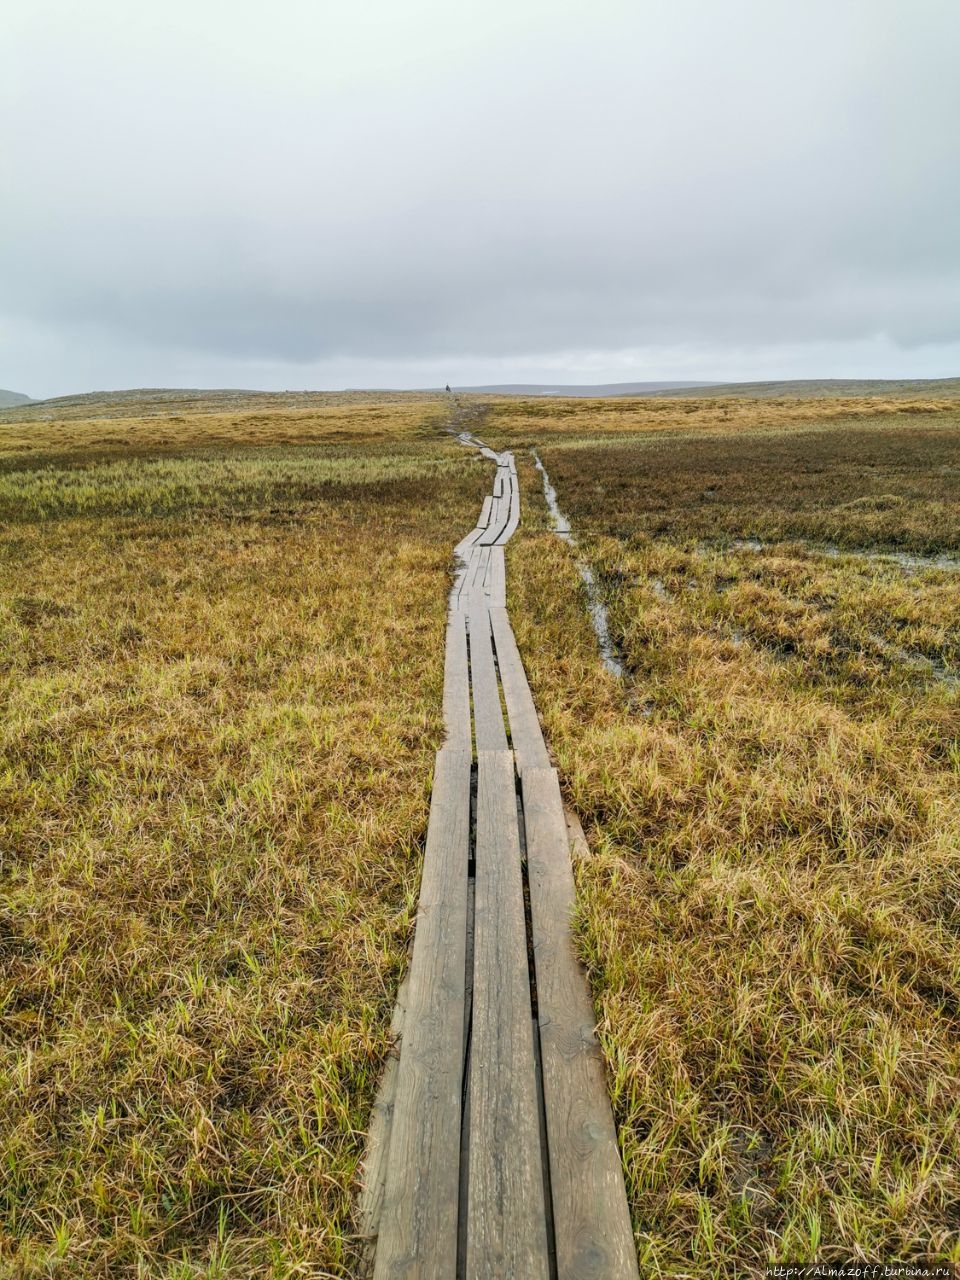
(595, 604)
(598, 610)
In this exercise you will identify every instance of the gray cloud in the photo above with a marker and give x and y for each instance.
(291, 194)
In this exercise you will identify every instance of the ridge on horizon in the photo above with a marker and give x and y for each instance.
(11, 402)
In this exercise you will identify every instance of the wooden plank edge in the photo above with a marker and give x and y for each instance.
(417, 1227)
(594, 1236)
(506, 1218)
(456, 683)
(373, 1166)
(488, 724)
(526, 735)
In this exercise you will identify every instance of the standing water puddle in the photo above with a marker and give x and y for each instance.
(598, 610)
(911, 561)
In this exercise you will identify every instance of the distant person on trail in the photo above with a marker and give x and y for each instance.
(448, 386)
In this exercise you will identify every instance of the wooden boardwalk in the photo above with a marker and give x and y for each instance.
(497, 1156)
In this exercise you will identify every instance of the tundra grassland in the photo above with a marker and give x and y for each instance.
(221, 647)
(771, 912)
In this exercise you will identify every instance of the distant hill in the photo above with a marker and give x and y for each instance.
(586, 390)
(9, 398)
(149, 402)
(164, 402)
(823, 388)
(800, 388)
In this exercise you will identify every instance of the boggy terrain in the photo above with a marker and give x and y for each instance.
(221, 668)
(221, 634)
(769, 912)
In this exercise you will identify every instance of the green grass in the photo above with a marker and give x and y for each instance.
(275, 481)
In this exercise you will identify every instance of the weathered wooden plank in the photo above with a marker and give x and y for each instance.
(418, 1218)
(594, 1240)
(506, 1220)
(469, 585)
(481, 562)
(510, 527)
(491, 536)
(500, 510)
(463, 546)
(456, 683)
(502, 530)
(499, 518)
(487, 713)
(499, 1169)
(526, 735)
(474, 602)
(465, 580)
(579, 845)
(497, 580)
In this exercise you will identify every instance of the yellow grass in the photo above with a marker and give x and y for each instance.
(771, 797)
(518, 422)
(221, 672)
(221, 633)
(213, 422)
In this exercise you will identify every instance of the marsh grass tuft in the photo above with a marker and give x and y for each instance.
(221, 671)
(771, 795)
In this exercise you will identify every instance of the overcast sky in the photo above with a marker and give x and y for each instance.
(327, 193)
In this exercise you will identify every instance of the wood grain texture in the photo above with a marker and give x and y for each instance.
(464, 545)
(514, 499)
(506, 1224)
(456, 684)
(419, 1213)
(467, 578)
(497, 580)
(526, 735)
(469, 570)
(594, 1239)
(481, 564)
(487, 713)
(501, 510)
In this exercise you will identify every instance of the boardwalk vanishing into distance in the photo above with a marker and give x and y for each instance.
(493, 1150)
